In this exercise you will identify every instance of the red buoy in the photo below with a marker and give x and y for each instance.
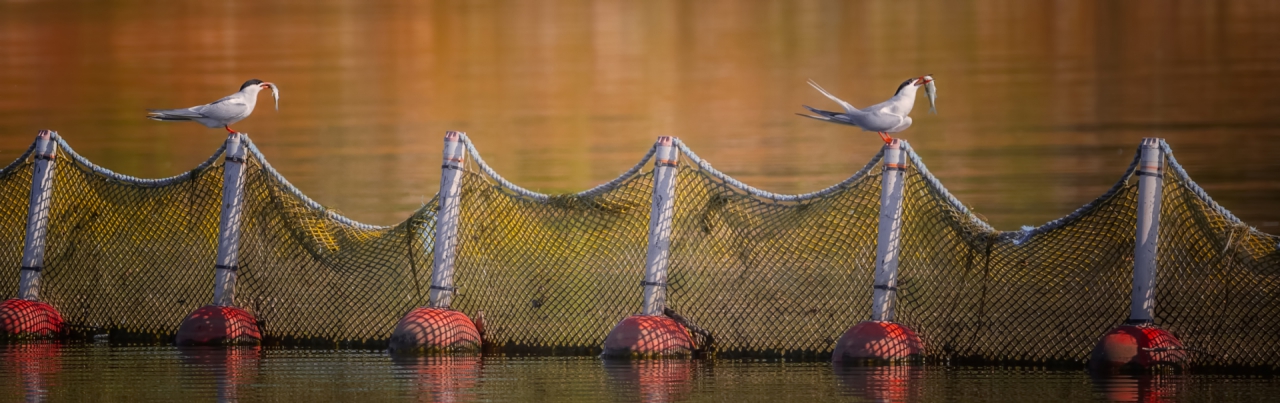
(23, 318)
(1137, 347)
(642, 336)
(218, 325)
(434, 331)
(877, 341)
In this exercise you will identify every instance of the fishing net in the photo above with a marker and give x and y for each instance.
(766, 274)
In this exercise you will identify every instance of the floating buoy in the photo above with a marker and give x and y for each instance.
(1137, 347)
(218, 325)
(29, 319)
(645, 336)
(435, 331)
(877, 341)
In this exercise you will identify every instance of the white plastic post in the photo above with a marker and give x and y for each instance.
(1150, 175)
(226, 265)
(37, 217)
(660, 214)
(888, 236)
(446, 238)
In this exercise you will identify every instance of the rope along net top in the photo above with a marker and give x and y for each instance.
(767, 274)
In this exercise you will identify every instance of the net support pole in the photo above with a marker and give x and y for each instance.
(652, 334)
(1150, 175)
(660, 216)
(1139, 342)
(446, 236)
(889, 232)
(37, 217)
(436, 328)
(881, 339)
(226, 265)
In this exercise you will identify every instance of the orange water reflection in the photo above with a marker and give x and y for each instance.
(1041, 103)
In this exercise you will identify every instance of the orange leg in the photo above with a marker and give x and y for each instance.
(228, 127)
(885, 137)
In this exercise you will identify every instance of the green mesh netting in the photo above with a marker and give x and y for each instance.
(766, 274)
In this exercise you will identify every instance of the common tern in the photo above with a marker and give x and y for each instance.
(223, 112)
(886, 117)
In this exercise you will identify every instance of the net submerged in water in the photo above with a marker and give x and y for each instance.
(767, 274)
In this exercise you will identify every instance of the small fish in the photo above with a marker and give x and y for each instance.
(931, 92)
(275, 93)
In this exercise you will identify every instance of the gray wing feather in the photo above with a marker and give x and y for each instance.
(878, 121)
(176, 113)
(828, 117)
(222, 109)
(820, 112)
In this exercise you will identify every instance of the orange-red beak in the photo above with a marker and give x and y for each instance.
(923, 80)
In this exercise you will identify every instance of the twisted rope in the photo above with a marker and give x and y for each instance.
(1193, 187)
(542, 197)
(312, 204)
(940, 190)
(79, 159)
(22, 158)
(1016, 237)
(775, 197)
(1027, 232)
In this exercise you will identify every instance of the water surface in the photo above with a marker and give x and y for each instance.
(105, 373)
(1041, 103)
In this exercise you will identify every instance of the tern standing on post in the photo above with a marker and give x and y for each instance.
(885, 117)
(223, 112)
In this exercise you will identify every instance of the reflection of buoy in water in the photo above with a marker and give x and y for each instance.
(434, 331)
(887, 383)
(442, 378)
(661, 380)
(218, 325)
(36, 363)
(34, 319)
(1142, 388)
(648, 336)
(877, 341)
(230, 366)
(1137, 347)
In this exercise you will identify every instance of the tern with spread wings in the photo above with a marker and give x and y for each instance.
(886, 117)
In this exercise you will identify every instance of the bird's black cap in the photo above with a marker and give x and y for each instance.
(250, 82)
(904, 84)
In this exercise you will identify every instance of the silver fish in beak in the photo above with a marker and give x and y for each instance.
(932, 92)
(275, 93)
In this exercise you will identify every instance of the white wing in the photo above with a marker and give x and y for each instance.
(849, 109)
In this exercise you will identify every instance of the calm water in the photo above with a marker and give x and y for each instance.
(100, 372)
(1041, 104)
